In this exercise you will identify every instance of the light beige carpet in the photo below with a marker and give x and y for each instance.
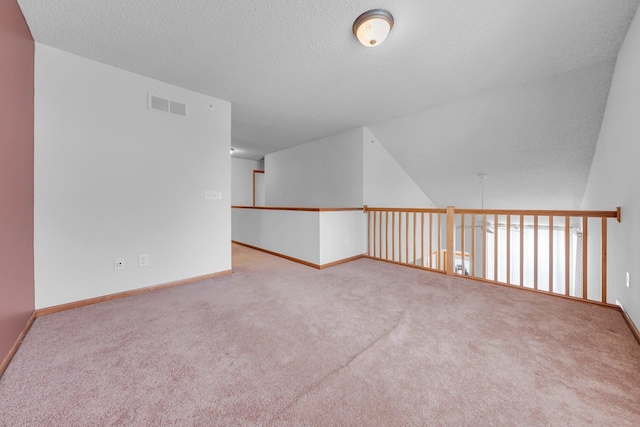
(365, 343)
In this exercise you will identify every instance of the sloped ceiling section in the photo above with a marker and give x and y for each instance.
(534, 142)
(295, 73)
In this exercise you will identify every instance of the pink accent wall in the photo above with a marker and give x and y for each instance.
(16, 174)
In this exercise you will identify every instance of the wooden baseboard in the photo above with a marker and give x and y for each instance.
(504, 285)
(91, 301)
(341, 261)
(632, 326)
(16, 344)
(300, 261)
(419, 267)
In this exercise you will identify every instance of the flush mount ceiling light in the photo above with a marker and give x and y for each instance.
(373, 26)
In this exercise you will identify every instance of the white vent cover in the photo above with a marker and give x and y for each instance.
(178, 108)
(167, 106)
(159, 104)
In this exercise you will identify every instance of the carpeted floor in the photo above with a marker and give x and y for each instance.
(364, 344)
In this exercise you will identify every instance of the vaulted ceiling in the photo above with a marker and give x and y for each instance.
(295, 73)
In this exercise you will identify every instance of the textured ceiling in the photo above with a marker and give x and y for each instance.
(295, 73)
(534, 143)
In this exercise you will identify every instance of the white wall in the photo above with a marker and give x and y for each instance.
(342, 235)
(115, 180)
(615, 175)
(385, 183)
(260, 190)
(291, 233)
(242, 180)
(322, 173)
(312, 236)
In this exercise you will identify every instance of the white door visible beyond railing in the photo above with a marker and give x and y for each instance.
(558, 252)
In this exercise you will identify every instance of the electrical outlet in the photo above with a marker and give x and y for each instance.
(627, 279)
(118, 264)
(143, 260)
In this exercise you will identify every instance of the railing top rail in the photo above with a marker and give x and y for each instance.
(425, 210)
(526, 212)
(545, 212)
(293, 208)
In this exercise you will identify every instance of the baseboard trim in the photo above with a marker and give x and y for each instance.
(632, 326)
(16, 344)
(418, 267)
(504, 285)
(341, 261)
(300, 261)
(119, 295)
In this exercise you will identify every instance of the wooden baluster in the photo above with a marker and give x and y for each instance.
(399, 236)
(509, 249)
(473, 245)
(386, 235)
(406, 240)
(430, 238)
(495, 247)
(484, 246)
(422, 238)
(393, 236)
(550, 253)
(567, 253)
(604, 260)
(375, 239)
(535, 252)
(415, 229)
(369, 232)
(522, 250)
(585, 245)
(380, 236)
(438, 260)
(462, 242)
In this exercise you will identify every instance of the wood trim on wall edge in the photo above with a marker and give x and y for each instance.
(16, 344)
(300, 261)
(299, 209)
(341, 261)
(96, 300)
(632, 326)
(255, 171)
(119, 295)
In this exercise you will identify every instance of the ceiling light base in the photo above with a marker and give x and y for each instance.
(372, 27)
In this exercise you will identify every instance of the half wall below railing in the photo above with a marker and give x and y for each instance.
(318, 237)
(557, 252)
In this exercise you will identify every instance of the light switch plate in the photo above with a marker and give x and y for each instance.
(627, 279)
(143, 260)
(212, 195)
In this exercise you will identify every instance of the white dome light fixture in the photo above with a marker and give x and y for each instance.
(372, 27)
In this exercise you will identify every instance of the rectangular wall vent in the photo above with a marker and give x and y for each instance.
(167, 106)
(159, 104)
(177, 108)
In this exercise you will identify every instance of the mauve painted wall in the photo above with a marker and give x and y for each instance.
(16, 174)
